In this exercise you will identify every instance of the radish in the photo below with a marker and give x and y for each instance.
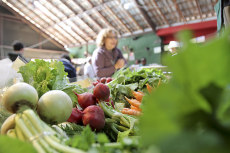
(54, 107)
(95, 83)
(101, 91)
(76, 116)
(19, 97)
(86, 99)
(94, 116)
(108, 79)
(103, 80)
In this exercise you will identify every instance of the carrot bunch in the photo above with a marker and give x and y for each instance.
(135, 109)
(150, 88)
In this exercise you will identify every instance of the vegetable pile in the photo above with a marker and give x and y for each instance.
(103, 80)
(38, 104)
(45, 76)
(116, 124)
(26, 126)
(126, 81)
(190, 113)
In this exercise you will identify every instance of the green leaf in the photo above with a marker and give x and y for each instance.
(11, 145)
(195, 96)
(122, 135)
(83, 141)
(192, 142)
(102, 138)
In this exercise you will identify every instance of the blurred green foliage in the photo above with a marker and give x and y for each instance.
(191, 113)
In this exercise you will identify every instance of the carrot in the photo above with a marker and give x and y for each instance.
(150, 88)
(159, 83)
(133, 102)
(138, 95)
(131, 112)
(141, 92)
(135, 108)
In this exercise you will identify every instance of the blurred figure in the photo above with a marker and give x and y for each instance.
(143, 62)
(86, 54)
(173, 47)
(88, 68)
(107, 58)
(18, 51)
(222, 9)
(137, 62)
(69, 68)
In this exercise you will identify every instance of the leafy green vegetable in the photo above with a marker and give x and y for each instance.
(102, 138)
(127, 81)
(82, 141)
(190, 113)
(99, 143)
(11, 145)
(45, 76)
(4, 114)
(71, 129)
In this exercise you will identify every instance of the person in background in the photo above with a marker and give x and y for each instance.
(107, 58)
(143, 62)
(137, 62)
(222, 9)
(88, 69)
(173, 47)
(18, 51)
(69, 68)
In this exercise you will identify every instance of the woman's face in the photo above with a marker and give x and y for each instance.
(111, 41)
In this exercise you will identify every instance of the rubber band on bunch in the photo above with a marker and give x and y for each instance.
(40, 135)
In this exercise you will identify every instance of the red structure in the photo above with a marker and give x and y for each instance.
(206, 29)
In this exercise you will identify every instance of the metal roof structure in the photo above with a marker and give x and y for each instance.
(77, 22)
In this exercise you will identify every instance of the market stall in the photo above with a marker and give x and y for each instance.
(181, 106)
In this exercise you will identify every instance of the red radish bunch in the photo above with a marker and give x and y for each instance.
(103, 80)
(92, 114)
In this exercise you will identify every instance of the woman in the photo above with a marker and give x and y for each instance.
(107, 58)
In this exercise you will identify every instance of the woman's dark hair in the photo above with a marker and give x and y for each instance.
(66, 56)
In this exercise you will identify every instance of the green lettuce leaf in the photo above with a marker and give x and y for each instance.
(45, 76)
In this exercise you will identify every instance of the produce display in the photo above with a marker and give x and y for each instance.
(45, 76)
(50, 113)
(132, 112)
(26, 126)
(126, 81)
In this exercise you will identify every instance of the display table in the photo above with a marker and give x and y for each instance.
(163, 68)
